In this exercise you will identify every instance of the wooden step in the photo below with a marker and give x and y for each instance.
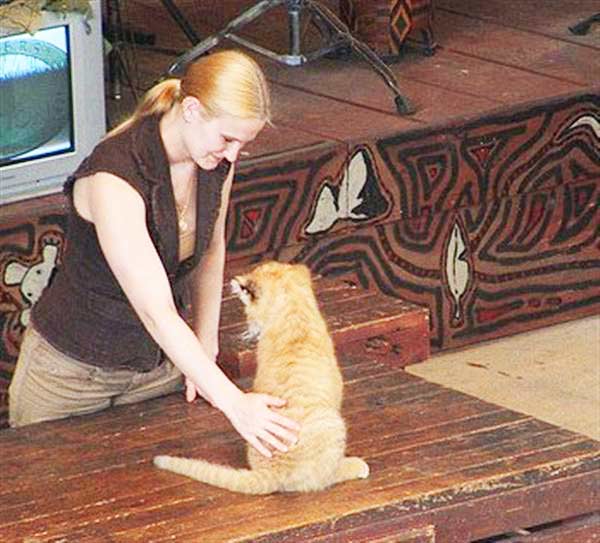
(582, 529)
(360, 321)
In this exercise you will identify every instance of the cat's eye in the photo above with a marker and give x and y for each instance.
(250, 289)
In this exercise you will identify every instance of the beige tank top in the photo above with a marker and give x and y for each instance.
(187, 243)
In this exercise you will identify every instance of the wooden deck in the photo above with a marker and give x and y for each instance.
(445, 467)
(498, 166)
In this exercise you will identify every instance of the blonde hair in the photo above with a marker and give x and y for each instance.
(226, 82)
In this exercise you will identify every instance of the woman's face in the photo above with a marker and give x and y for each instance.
(210, 140)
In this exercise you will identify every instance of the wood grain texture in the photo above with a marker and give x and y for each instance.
(583, 529)
(438, 458)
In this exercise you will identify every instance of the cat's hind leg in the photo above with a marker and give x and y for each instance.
(351, 467)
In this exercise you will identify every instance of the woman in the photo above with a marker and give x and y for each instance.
(148, 210)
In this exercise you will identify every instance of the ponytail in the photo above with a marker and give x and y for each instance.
(159, 99)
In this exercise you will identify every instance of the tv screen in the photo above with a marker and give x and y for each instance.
(51, 101)
(36, 116)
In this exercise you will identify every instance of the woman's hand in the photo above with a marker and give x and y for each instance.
(190, 390)
(254, 418)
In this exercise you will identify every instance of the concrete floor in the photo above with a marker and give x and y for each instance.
(552, 374)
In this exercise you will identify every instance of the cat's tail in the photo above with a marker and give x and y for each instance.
(246, 481)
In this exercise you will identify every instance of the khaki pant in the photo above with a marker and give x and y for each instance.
(49, 385)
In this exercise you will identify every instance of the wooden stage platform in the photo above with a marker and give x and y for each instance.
(445, 467)
(483, 207)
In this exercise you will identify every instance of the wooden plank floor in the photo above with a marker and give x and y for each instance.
(443, 464)
(359, 321)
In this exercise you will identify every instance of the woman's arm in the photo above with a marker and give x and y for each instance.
(206, 283)
(207, 278)
(118, 214)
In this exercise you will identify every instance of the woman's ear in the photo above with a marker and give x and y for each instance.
(192, 109)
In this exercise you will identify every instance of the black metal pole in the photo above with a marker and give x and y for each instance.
(114, 31)
(583, 27)
(181, 21)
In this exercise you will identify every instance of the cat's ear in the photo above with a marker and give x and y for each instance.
(303, 271)
(235, 285)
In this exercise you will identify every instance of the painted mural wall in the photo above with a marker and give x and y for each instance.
(494, 225)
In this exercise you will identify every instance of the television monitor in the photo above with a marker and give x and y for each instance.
(51, 102)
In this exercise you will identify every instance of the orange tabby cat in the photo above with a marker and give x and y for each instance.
(296, 361)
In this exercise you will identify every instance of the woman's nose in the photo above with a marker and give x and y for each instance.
(232, 151)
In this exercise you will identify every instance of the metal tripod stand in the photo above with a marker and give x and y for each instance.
(583, 27)
(334, 33)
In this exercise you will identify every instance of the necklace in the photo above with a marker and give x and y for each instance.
(182, 210)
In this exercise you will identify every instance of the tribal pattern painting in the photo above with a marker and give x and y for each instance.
(29, 254)
(493, 225)
(387, 25)
(304, 199)
(357, 197)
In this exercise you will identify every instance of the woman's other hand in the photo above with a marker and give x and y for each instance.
(190, 390)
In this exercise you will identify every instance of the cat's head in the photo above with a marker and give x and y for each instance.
(269, 290)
